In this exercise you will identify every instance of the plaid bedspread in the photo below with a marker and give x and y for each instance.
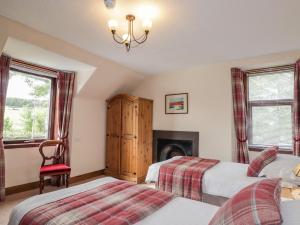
(183, 177)
(115, 203)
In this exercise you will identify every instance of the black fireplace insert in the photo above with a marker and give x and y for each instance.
(167, 144)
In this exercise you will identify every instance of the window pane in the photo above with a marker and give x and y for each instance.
(272, 125)
(271, 86)
(27, 107)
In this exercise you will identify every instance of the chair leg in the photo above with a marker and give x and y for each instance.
(42, 184)
(58, 180)
(67, 180)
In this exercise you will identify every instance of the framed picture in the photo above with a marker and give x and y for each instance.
(176, 103)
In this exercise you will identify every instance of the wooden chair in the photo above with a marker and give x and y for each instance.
(57, 169)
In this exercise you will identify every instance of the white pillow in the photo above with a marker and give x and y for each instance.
(282, 167)
(290, 212)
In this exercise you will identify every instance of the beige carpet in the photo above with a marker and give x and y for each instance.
(12, 200)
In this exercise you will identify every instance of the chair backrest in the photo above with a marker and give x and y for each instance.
(59, 150)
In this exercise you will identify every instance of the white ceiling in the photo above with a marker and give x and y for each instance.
(186, 33)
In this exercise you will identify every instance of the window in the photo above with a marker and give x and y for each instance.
(270, 107)
(28, 114)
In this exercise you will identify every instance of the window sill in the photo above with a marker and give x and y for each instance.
(22, 145)
(261, 148)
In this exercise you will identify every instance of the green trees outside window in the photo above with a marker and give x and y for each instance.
(27, 107)
(270, 108)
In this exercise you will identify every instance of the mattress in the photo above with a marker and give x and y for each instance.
(225, 179)
(177, 212)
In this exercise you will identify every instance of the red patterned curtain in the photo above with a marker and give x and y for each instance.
(65, 89)
(4, 78)
(296, 141)
(240, 114)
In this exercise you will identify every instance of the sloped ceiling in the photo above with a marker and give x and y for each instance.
(97, 77)
(185, 33)
(34, 54)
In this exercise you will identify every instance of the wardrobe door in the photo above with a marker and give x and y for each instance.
(113, 136)
(129, 138)
(145, 144)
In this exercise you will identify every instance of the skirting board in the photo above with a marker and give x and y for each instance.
(24, 187)
(86, 176)
(34, 185)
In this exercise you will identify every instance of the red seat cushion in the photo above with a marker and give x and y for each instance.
(257, 204)
(266, 157)
(54, 168)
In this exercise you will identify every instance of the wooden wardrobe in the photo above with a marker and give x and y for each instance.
(128, 137)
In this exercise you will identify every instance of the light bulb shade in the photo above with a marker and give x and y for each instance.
(126, 38)
(147, 25)
(112, 24)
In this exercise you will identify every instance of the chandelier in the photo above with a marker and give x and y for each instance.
(129, 39)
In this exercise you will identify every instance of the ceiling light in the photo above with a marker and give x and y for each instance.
(128, 39)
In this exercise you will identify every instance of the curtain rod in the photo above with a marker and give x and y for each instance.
(32, 66)
(28, 65)
(271, 69)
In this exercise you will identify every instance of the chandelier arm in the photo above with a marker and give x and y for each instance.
(134, 45)
(129, 37)
(130, 31)
(118, 36)
(142, 37)
(138, 40)
(119, 42)
(138, 44)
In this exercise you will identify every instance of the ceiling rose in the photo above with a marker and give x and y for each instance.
(110, 4)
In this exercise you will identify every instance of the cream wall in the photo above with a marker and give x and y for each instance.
(22, 165)
(209, 107)
(210, 101)
(87, 139)
(88, 113)
(88, 136)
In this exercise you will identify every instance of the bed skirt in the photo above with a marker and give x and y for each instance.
(214, 199)
(207, 198)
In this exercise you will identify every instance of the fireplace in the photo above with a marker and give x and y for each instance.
(167, 144)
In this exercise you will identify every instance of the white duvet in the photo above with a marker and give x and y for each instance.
(179, 211)
(224, 179)
(282, 167)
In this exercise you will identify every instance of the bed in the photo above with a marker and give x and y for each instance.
(216, 187)
(176, 212)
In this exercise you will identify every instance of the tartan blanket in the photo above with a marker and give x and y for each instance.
(183, 177)
(115, 203)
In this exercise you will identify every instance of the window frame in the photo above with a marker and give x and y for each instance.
(264, 103)
(51, 123)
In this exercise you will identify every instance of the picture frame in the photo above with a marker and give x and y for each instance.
(176, 103)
